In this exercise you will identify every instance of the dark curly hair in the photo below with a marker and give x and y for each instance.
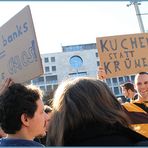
(15, 101)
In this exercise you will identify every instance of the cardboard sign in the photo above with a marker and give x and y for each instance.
(19, 54)
(123, 55)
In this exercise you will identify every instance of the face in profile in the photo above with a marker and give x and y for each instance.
(38, 124)
(124, 92)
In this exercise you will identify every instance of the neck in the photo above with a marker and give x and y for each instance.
(131, 95)
(19, 135)
(141, 99)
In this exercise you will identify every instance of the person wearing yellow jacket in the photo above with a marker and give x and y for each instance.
(138, 109)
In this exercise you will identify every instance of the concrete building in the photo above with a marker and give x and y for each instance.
(73, 61)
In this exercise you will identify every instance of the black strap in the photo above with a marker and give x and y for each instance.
(143, 106)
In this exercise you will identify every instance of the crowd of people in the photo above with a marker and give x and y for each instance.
(84, 112)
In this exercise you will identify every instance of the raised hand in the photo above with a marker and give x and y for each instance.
(101, 73)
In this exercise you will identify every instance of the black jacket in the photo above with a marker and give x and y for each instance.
(98, 134)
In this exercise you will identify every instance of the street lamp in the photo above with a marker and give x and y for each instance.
(136, 5)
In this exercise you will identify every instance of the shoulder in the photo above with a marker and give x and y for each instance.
(18, 142)
(132, 107)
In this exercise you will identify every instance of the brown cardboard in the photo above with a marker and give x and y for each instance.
(19, 54)
(123, 54)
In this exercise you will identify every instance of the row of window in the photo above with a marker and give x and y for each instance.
(48, 79)
(120, 80)
(79, 47)
(48, 88)
(46, 59)
(114, 83)
(47, 68)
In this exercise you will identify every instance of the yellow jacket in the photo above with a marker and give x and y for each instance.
(138, 116)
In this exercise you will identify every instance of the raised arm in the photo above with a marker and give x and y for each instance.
(5, 85)
(101, 73)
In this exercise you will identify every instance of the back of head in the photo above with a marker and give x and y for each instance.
(15, 101)
(128, 85)
(80, 101)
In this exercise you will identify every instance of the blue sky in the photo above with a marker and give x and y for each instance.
(68, 23)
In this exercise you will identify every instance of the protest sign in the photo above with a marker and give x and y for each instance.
(123, 54)
(19, 54)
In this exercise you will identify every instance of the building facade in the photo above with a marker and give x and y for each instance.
(74, 61)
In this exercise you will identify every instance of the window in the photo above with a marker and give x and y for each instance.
(39, 80)
(96, 54)
(116, 90)
(46, 60)
(121, 80)
(52, 59)
(115, 81)
(126, 78)
(133, 78)
(51, 79)
(49, 88)
(76, 61)
(108, 81)
(78, 74)
(98, 63)
(47, 69)
(55, 87)
(53, 68)
(42, 88)
(111, 89)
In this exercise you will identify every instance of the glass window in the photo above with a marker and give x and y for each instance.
(51, 79)
(55, 87)
(52, 59)
(111, 89)
(121, 80)
(76, 61)
(49, 88)
(116, 90)
(53, 68)
(78, 74)
(42, 88)
(133, 78)
(114, 81)
(98, 63)
(108, 81)
(127, 79)
(39, 80)
(47, 69)
(46, 60)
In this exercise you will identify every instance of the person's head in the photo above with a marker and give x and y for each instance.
(22, 110)
(141, 85)
(79, 101)
(128, 89)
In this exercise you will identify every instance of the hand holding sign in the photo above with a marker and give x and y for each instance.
(101, 73)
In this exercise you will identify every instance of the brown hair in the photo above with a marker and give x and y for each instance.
(82, 100)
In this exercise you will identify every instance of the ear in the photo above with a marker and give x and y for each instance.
(25, 119)
(135, 87)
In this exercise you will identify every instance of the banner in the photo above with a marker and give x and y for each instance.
(19, 54)
(123, 54)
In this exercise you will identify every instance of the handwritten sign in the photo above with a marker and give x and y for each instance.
(123, 55)
(19, 54)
